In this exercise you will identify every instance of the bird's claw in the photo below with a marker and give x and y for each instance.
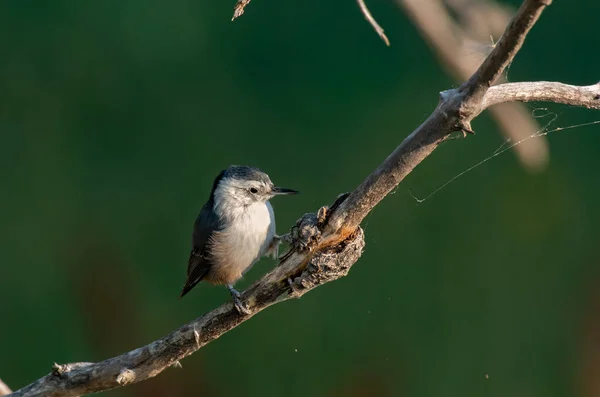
(286, 238)
(240, 306)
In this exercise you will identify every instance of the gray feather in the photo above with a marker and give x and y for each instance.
(235, 228)
(200, 262)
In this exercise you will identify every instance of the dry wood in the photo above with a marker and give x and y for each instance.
(326, 244)
(365, 11)
(239, 8)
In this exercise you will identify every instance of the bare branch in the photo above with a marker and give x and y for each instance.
(544, 91)
(507, 47)
(442, 34)
(238, 9)
(462, 48)
(4, 389)
(481, 18)
(365, 11)
(455, 111)
(324, 245)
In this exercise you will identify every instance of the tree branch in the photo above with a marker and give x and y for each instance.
(461, 48)
(442, 34)
(301, 270)
(544, 91)
(507, 47)
(324, 245)
(367, 14)
(239, 7)
(455, 111)
(481, 18)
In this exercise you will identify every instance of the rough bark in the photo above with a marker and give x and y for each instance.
(326, 244)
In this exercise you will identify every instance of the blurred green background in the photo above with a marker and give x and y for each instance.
(115, 116)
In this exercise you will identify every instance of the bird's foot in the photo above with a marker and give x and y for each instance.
(277, 240)
(273, 251)
(240, 306)
(286, 238)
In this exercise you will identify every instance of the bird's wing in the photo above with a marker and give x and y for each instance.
(199, 263)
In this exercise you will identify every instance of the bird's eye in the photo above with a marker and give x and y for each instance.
(253, 190)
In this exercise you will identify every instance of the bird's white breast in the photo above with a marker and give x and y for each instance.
(244, 241)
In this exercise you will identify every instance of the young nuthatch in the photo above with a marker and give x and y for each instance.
(235, 228)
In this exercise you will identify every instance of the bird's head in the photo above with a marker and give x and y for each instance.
(243, 185)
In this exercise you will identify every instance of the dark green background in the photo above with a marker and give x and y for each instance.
(115, 116)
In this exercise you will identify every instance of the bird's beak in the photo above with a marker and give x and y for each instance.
(282, 191)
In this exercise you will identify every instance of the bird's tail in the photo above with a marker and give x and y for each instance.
(194, 277)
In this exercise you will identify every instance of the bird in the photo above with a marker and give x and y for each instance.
(235, 228)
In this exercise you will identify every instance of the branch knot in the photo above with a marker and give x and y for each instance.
(329, 264)
(125, 377)
(61, 370)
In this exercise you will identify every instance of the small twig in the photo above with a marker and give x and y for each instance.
(372, 21)
(4, 389)
(238, 9)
